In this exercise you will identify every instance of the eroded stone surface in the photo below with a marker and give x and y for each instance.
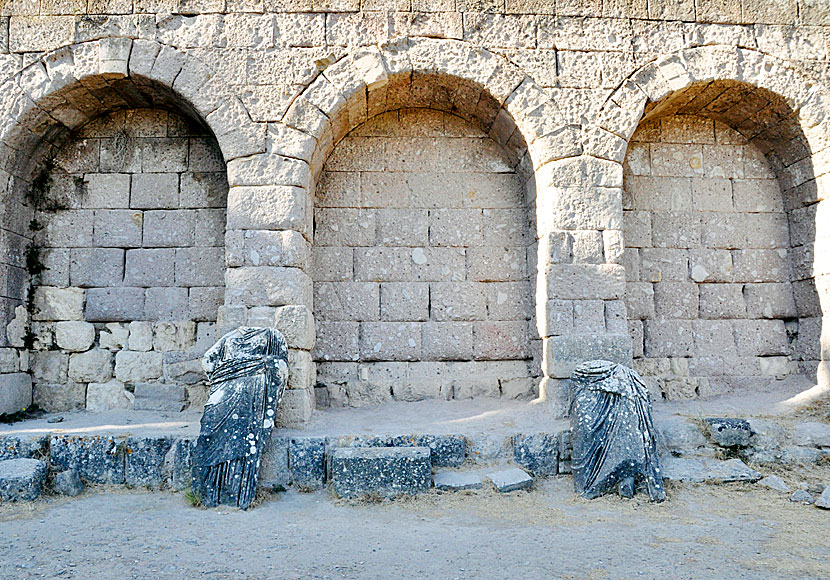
(513, 479)
(387, 471)
(21, 479)
(456, 480)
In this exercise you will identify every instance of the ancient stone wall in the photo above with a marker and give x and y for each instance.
(420, 265)
(128, 261)
(707, 258)
(560, 88)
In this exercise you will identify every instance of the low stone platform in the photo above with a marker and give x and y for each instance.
(153, 450)
(21, 479)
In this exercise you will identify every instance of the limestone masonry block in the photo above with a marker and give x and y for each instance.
(91, 366)
(135, 367)
(74, 335)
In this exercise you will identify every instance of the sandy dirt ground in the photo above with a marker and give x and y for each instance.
(704, 531)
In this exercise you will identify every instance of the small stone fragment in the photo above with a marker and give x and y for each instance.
(774, 482)
(823, 500)
(68, 483)
(802, 496)
(457, 480)
(21, 479)
(729, 432)
(58, 419)
(510, 479)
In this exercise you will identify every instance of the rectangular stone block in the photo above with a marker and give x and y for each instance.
(169, 228)
(564, 353)
(199, 190)
(500, 340)
(761, 337)
(337, 341)
(106, 190)
(155, 191)
(200, 266)
(267, 286)
(307, 462)
(390, 341)
(114, 304)
(722, 301)
(769, 300)
(347, 301)
(676, 230)
(664, 264)
(586, 281)
(713, 338)
(457, 301)
(537, 452)
(497, 264)
(382, 264)
(668, 338)
(166, 303)
(404, 301)
(767, 230)
(117, 228)
(509, 300)
(274, 470)
(707, 265)
(402, 227)
(150, 267)
(145, 461)
(96, 267)
(97, 459)
(676, 300)
(330, 264)
(447, 341)
(15, 392)
(438, 264)
(58, 303)
(455, 227)
(344, 227)
(387, 471)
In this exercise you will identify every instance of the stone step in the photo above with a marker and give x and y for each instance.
(457, 480)
(512, 479)
(387, 471)
(21, 479)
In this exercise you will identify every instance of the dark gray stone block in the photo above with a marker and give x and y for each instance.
(21, 479)
(538, 453)
(98, 459)
(456, 480)
(145, 461)
(307, 462)
(388, 471)
(729, 432)
(444, 450)
(68, 483)
(23, 447)
(274, 472)
(511, 479)
(178, 464)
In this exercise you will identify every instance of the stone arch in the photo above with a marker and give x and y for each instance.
(774, 107)
(273, 191)
(62, 91)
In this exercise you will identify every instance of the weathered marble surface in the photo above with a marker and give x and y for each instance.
(614, 440)
(248, 370)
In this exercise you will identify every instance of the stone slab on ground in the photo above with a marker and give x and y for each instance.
(729, 432)
(457, 480)
(97, 459)
(511, 479)
(537, 452)
(21, 479)
(812, 433)
(68, 483)
(774, 482)
(703, 470)
(802, 496)
(823, 500)
(388, 471)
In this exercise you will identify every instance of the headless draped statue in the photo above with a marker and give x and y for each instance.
(248, 372)
(614, 441)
